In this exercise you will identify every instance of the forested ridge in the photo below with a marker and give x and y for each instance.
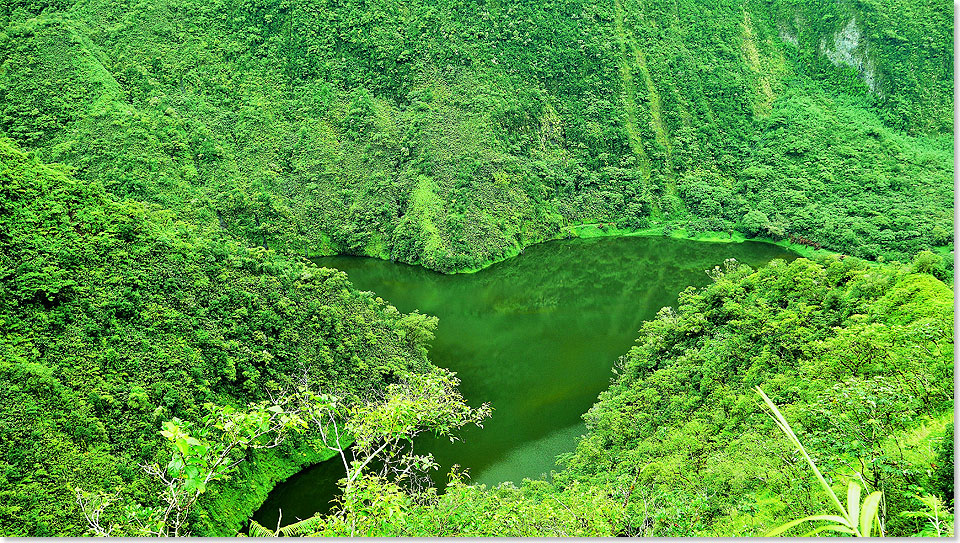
(452, 134)
(165, 167)
(116, 317)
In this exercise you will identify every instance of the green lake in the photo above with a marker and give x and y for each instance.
(536, 336)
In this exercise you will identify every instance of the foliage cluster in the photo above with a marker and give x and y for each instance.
(117, 316)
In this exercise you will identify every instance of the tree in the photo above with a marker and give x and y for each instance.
(200, 454)
(383, 430)
(755, 222)
(943, 474)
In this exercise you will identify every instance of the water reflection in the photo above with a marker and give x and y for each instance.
(536, 336)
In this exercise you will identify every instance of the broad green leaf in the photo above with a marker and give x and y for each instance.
(832, 527)
(868, 512)
(853, 501)
(182, 446)
(779, 530)
(175, 467)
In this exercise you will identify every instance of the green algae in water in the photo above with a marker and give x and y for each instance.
(536, 336)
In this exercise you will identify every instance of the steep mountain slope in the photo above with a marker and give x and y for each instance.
(165, 164)
(860, 358)
(116, 317)
(454, 134)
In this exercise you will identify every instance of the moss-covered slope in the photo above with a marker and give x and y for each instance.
(452, 134)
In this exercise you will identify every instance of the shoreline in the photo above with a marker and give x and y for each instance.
(592, 230)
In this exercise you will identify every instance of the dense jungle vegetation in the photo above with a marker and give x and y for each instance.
(677, 446)
(452, 134)
(117, 316)
(166, 165)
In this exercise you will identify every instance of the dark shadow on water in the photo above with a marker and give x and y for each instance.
(309, 491)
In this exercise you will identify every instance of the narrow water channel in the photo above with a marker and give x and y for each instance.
(536, 336)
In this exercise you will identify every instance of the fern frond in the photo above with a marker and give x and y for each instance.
(304, 527)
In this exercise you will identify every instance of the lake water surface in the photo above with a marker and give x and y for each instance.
(536, 336)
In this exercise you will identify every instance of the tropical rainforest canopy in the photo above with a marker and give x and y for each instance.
(168, 167)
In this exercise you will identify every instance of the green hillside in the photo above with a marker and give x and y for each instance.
(453, 134)
(117, 316)
(167, 167)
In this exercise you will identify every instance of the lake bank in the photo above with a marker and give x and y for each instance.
(536, 336)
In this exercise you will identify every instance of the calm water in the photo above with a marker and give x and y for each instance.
(536, 336)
